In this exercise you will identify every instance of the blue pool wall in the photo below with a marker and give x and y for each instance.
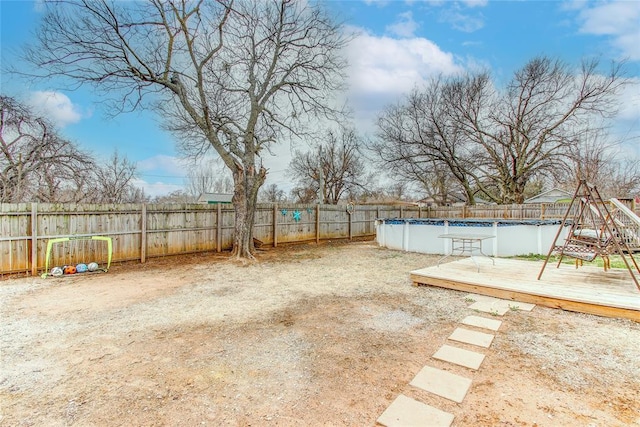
(511, 237)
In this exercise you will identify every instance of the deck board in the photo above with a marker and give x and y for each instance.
(587, 289)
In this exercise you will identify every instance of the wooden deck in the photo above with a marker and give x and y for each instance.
(587, 289)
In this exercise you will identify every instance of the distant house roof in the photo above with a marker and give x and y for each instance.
(550, 196)
(215, 198)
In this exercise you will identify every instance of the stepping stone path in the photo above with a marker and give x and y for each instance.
(459, 356)
(443, 383)
(405, 411)
(497, 306)
(472, 337)
(482, 322)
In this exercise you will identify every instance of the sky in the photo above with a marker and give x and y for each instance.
(399, 46)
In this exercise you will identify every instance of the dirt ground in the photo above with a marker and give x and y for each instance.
(311, 335)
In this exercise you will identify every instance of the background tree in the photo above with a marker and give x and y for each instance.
(332, 171)
(204, 178)
(491, 141)
(527, 131)
(418, 141)
(36, 163)
(114, 182)
(231, 76)
(177, 196)
(304, 195)
(603, 162)
(272, 194)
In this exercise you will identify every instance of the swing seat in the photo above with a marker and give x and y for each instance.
(583, 253)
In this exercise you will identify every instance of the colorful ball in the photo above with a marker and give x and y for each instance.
(56, 272)
(81, 268)
(70, 269)
(92, 266)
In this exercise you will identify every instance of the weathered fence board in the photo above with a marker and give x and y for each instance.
(152, 230)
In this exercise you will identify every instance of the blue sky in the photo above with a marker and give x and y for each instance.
(400, 44)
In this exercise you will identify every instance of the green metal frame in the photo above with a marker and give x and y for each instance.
(66, 239)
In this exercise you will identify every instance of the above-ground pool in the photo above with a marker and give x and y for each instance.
(511, 237)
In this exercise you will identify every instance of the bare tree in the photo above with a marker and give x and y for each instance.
(36, 163)
(527, 130)
(272, 194)
(177, 196)
(206, 179)
(304, 195)
(495, 142)
(113, 182)
(625, 179)
(232, 76)
(419, 142)
(598, 160)
(334, 170)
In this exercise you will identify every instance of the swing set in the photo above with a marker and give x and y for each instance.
(594, 231)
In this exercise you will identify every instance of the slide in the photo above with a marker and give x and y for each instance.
(632, 229)
(627, 212)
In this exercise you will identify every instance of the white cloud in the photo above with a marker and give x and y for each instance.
(404, 26)
(462, 21)
(382, 69)
(456, 13)
(626, 125)
(169, 165)
(472, 43)
(278, 164)
(56, 107)
(384, 65)
(162, 174)
(153, 189)
(573, 4)
(618, 19)
(630, 102)
(475, 3)
(379, 3)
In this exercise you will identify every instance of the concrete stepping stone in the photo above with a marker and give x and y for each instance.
(459, 356)
(472, 337)
(489, 307)
(482, 322)
(442, 383)
(405, 412)
(498, 303)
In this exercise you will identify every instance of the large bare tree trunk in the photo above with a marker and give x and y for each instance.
(245, 197)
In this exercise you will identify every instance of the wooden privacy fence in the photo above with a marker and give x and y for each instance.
(140, 231)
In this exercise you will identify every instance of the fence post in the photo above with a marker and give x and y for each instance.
(34, 239)
(542, 210)
(400, 211)
(275, 225)
(219, 229)
(318, 223)
(350, 226)
(143, 233)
